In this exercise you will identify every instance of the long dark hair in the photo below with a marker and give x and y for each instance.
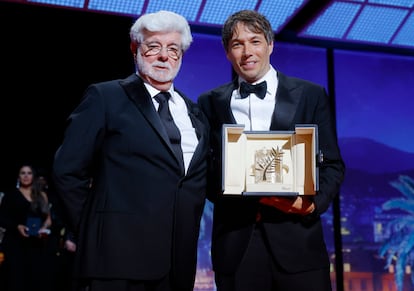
(39, 203)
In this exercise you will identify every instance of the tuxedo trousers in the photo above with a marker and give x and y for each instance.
(259, 270)
(163, 284)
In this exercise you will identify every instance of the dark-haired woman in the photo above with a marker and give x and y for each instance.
(25, 215)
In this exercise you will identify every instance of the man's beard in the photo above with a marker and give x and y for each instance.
(149, 70)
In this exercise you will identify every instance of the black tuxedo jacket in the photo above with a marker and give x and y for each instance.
(140, 218)
(297, 242)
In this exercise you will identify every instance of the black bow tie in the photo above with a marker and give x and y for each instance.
(258, 89)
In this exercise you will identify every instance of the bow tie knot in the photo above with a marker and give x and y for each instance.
(259, 89)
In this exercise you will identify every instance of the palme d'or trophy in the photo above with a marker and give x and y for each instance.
(269, 167)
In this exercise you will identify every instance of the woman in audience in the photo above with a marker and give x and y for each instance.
(25, 216)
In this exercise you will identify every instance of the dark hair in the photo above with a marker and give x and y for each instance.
(39, 204)
(255, 21)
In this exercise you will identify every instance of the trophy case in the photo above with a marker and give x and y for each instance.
(270, 163)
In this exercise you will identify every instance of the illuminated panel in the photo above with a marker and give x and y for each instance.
(373, 17)
(339, 13)
(406, 35)
(279, 12)
(73, 3)
(188, 9)
(216, 12)
(401, 3)
(132, 7)
(381, 22)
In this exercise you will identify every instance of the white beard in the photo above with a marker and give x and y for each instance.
(162, 76)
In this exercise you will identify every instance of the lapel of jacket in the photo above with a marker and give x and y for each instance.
(135, 89)
(287, 100)
(222, 99)
(201, 129)
(195, 116)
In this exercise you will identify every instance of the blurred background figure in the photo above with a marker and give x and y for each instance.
(25, 216)
(61, 243)
(2, 230)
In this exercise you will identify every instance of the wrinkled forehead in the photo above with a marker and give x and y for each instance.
(163, 37)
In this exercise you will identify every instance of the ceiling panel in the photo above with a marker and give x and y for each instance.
(216, 11)
(386, 23)
(67, 3)
(188, 9)
(405, 37)
(375, 23)
(280, 12)
(365, 27)
(129, 7)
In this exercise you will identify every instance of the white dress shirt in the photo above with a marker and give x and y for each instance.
(253, 112)
(179, 112)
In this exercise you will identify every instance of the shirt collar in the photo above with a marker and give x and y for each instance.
(154, 91)
(271, 79)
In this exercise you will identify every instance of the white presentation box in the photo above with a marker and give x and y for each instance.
(270, 163)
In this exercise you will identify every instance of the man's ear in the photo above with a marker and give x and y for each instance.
(271, 45)
(133, 47)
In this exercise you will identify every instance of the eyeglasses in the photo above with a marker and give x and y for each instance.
(154, 48)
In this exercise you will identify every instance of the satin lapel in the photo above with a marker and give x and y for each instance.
(287, 100)
(221, 102)
(135, 89)
(195, 114)
(201, 129)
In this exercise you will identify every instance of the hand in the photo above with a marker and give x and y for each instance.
(297, 205)
(70, 245)
(44, 232)
(23, 229)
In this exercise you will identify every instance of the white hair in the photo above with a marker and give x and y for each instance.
(162, 21)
